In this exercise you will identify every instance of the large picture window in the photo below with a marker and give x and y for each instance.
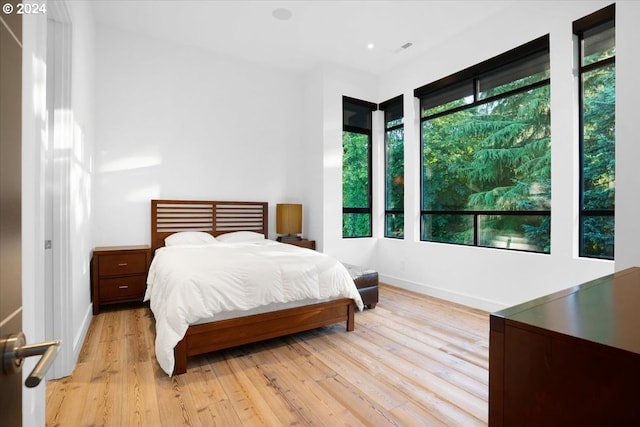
(394, 167)
(486, 153)
(597, 68)
(356, 167)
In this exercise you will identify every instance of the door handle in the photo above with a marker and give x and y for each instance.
(15, 349)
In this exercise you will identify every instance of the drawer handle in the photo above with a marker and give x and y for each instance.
(123, 287)
(123, 264)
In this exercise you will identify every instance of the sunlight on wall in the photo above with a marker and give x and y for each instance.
(39, 73)
(78, 146)
(72, 184)
(80, 179)
(143, 194)
(62, 129)
(131, 163)
(124, 164)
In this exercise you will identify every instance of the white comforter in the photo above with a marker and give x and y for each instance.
(190, 283)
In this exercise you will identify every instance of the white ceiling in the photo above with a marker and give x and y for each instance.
(319, 31)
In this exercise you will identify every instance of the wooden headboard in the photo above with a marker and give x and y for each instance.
(170, 216)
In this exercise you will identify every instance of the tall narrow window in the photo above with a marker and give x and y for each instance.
(394, 167)
(486, 153)
(597, 53)
(356, 167)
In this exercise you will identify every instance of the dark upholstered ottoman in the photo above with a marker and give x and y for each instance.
(366, 281)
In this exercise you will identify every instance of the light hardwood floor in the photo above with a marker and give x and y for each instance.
(412, 361)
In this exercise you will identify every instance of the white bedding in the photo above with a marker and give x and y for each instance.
(188, 283)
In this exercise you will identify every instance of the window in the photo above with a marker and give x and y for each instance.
(394, 167)
(597, 68)
(356, 167)
(486, 153)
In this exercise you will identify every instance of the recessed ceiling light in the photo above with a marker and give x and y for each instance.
(370, 46)
(282, 14)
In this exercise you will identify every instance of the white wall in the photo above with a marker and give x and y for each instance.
(481, 277)
(175, 122)
(80, 168)
(305, 159)
(77, 154)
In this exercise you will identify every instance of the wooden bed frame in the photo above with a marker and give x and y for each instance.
(215, 217)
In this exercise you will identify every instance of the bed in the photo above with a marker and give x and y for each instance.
(216, 218)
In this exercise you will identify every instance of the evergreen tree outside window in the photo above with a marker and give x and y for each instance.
(596, 37)
(394, 167)
(486, 153)
(356, 167)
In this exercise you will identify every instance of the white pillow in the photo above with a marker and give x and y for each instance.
(240, 236)
(189, 238)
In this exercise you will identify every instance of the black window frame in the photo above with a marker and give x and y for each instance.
(470, 77)
(390, 109)
(580, 27)
(348, 126)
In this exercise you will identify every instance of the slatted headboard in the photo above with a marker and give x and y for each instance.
(170, 216)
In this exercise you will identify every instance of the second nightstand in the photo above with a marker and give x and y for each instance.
(119, 274)
(303, 243)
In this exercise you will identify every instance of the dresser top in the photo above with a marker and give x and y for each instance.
(605, 311)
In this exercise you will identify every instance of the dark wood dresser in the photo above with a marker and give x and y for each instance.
(569, 359)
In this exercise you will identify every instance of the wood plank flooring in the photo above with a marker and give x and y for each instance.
(412, 361)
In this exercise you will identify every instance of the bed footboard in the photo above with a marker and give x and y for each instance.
(208, 337)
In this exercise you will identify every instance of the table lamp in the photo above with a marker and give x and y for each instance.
(288, 221)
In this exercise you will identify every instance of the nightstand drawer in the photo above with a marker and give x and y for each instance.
(120, 264)
(122, 288)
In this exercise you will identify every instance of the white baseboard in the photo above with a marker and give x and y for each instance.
(78, 340)
(434, 291)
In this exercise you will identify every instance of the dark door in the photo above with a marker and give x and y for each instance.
(10, 206)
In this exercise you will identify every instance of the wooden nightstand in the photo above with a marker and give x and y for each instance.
(303, 243)
(119, 274)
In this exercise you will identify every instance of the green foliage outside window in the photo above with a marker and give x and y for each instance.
(356, 225)
(394, 222)
(492, 157)
(598, 160)
(355, 184)
(355, 170)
